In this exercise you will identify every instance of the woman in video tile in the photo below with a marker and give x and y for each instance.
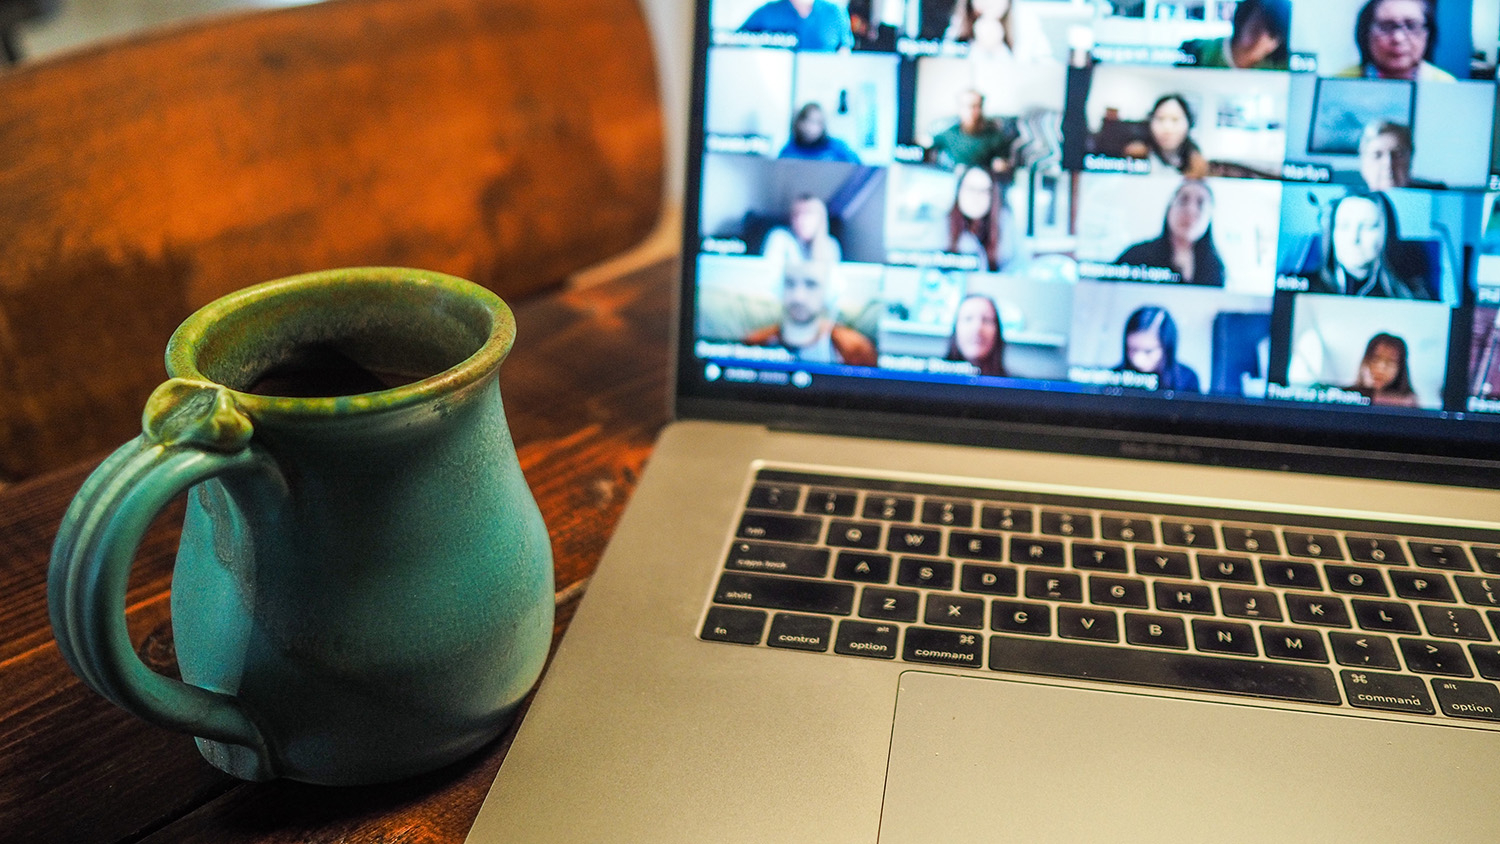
(1257, 41)
(1363, 254)
(979, 223)
(810, 141)
(1169, 138)
(1396, 40)
(1383, 374)
(806, 236)
(1186, 243)
(977, 337)
(1151, 348)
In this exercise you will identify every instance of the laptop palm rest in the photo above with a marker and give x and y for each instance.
(1068, 765)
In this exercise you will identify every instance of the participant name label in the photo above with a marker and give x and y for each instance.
(1323, 395)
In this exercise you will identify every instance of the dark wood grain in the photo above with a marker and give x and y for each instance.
(585, 395)
(510, 142)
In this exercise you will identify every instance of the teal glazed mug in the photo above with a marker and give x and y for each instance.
(363, 591)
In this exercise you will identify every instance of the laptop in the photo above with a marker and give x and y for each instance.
(1086, 430)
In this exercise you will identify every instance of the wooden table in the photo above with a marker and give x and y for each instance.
(585, 394)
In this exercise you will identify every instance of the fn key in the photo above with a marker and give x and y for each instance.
(728, 624)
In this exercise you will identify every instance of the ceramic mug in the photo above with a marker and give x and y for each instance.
(364, 586)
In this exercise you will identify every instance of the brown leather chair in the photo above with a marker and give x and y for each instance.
(511, 142)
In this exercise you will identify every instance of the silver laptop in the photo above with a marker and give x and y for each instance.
(1087, 431)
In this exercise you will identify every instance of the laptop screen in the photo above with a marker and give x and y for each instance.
(1258, 219)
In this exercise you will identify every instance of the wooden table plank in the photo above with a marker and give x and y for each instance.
(585, 394)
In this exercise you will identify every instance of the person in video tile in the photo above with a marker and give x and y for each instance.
(1396, 40)
(810, 140)
(1169, 138)
(975, 140)
(1383, 373)
(1186, 243)
(1385, 152)
(998, 31)
(1151, 348)
(806, 329)
(805, 237)
(1359, 244)
(979, 223)
(818, 24)
(977, 337)
(1257, 41)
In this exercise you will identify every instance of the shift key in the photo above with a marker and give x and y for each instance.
(784, 593)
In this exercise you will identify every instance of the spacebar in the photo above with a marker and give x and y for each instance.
(1164, 669)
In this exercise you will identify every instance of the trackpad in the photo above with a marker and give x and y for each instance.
(996, 760)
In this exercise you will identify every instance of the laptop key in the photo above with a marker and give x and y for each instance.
(1481, 591)
(1127, 529)
(1387, 692)
(865, 568)
(1324, 546)
(1067, 523)
(1467, 699)
(890, 508)
(800, 529)
(1436, 555)
(1289, 574)
(1093, 625)
(800, 632)
(778, 559)
(958, 514)
(854, 534)
(1422, 586)
(914, 540)
(929, 574)
(1156, 563)
(1118, 592)
(1251, 540)
(1426, 656)
(943, 647)
(1385, 550)
(1364, 650)
(1321, 610)
(1487, 660)
(1021, 617)
(1004, 517)
(1256, 604)
(831, 502)
(1037, 552)
(1453, 622)
(954, 611)
(1188, 534)
(1488, 557)
(976, 546)
(1225, 637)
(1225, 568)
(774, 497)
(1163, 669)
(1157, 631)
(1293, 643)
(889, 604)
(989, 580)
(727, 624)
(1385, 616)
(1094, 557)
(863, 638)
(784, 593)
(1054, 586)
(1174, 597)
(1356, 580)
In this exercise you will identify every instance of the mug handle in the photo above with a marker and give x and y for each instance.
(192, 431)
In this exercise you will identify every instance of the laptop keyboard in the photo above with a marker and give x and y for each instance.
(1366, 615)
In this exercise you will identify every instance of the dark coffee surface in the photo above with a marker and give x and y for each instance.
(322, 370)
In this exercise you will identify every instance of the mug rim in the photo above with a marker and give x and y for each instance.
(187, 342)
